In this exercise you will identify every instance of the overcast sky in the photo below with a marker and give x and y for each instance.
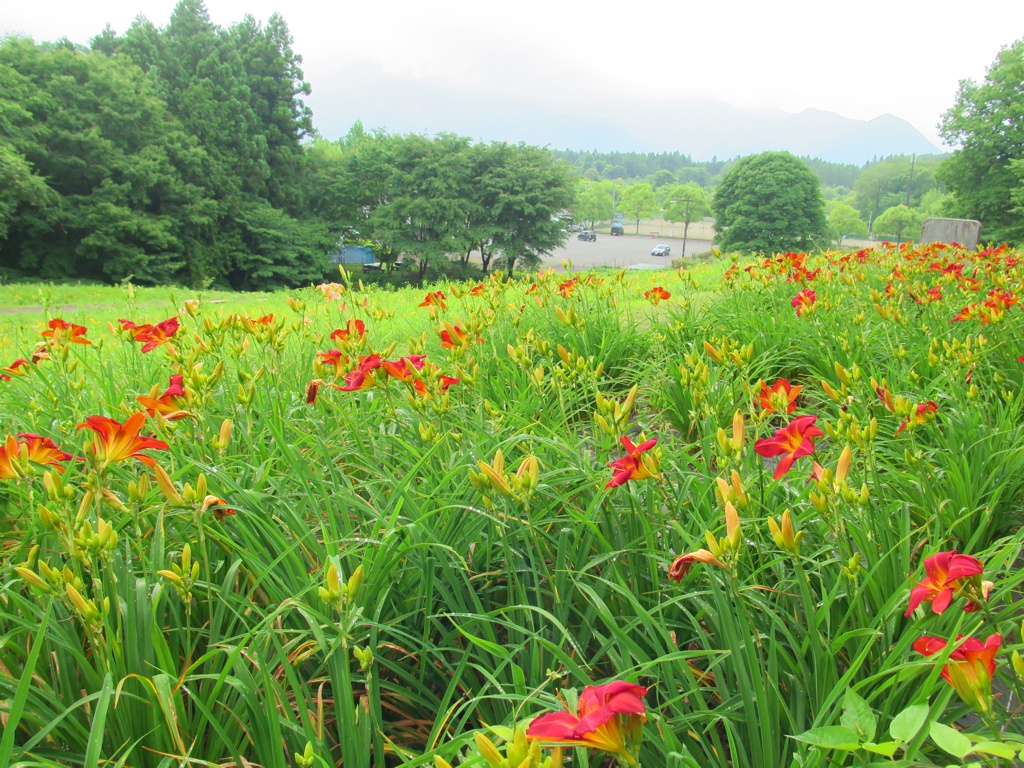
(861, 59)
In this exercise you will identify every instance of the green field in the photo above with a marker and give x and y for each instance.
(325, 551)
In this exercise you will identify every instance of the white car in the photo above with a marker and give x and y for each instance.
(660, 250)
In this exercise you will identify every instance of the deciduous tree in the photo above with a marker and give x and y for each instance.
(639, 202)
(768, 203)
(987, 124)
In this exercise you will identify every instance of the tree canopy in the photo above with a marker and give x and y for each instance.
(985, 175)
(767, 203)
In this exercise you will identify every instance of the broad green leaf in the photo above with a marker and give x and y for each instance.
(994, 748)
(830, 737)
(857, 715)
(887, 748)
(908, 723)
(950, 739)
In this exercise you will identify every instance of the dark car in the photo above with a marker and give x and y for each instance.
(617, 229)
(587, 235)
(660, 250)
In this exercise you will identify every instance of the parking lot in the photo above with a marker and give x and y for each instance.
(623, 251)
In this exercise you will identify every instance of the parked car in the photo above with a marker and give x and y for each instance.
(660, 250)
(587, 235)
(617, 229)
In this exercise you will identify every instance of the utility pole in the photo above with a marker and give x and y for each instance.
(910, 182)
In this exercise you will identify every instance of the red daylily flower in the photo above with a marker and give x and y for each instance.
(632, 466)
(922, 415)
(312, 390)
(945, 575)
(152, 336)
(608, 717)
(170, 404)
(970, 667)
(781, 395)
(62, 332)
(791, 442)
(443, 383)
(114, 441)
(803, 300)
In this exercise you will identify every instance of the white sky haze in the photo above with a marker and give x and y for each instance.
(860, 60)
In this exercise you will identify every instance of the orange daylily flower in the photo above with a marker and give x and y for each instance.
(14, 369)
(946, 574)
(608, 717)
(970, 667)
(353, 331)
(781, 396)
(400, 369)
(682, 564)
(62, 332)
(170, 403)
(335, 358)
(42, 450)
(922, 415)
(9, 451)
(114, 442)
(656, 295)
(791, 442)
(633, 466)
(435, 299)
(219, 506)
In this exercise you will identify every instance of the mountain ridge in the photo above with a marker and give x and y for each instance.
(700, 128)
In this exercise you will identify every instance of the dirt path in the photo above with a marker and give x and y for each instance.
(88, 307)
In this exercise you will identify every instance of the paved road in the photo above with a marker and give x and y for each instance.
(623, 251)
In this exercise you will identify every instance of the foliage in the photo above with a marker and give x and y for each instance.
(428, 198)
(985, 122)
(593, 203)
(899, 221)
(844, 220)
(384, 577)
(639, 202)
(892, 181)
(769, 202)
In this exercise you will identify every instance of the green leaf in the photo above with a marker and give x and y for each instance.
(831, 737)
(906, 725)
(857, 715)
(950, 739)
(887, 748)
(99, 720)
(994, 748)
(17, 707)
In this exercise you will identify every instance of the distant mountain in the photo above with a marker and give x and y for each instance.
(604, 121)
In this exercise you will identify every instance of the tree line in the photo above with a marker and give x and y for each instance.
(185, 154)
(443, 197)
